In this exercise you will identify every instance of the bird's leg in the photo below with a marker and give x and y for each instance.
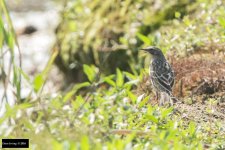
(171, 101)
(161, 100)
(164, 97)
(157, 95)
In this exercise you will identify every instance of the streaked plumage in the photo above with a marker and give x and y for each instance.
(161, 74)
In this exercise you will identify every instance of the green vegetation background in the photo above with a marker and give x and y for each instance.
(97, 46)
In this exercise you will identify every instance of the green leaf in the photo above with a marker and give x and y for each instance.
(56, 145)
(74, 90)
(17, 81)
(187, 21)
(23, 74)
(77, 102)
(165, 112)
(10, 41)
(50, 63)
(24, 106)
(150, 110)
(152, 118)
(11, 111)
(130, 76)
(56, 103)
(110, 81)
(177, 14)
(132, 96)
(1, 33)
(191, 128)
(85, 143)
(119, 80)
(222, 21)
(144, 39)
(143, 102)
(38, 82)
(89, 72)
(28, 124)
(123, 40)
(39, 79)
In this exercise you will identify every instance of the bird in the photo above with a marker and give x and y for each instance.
(161, 75)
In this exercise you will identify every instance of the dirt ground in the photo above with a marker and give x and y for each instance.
(199, 85)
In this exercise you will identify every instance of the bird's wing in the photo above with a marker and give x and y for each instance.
(164, 77)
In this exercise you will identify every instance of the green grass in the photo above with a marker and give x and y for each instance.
(109, 114)
(10, 69)
(106, 111)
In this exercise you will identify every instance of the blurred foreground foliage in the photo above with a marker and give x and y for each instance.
(10, 68)
(105, 111)
(110, 116)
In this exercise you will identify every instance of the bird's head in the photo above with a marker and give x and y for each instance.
(154, 51)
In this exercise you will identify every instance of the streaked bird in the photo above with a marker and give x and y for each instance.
(161, 75)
